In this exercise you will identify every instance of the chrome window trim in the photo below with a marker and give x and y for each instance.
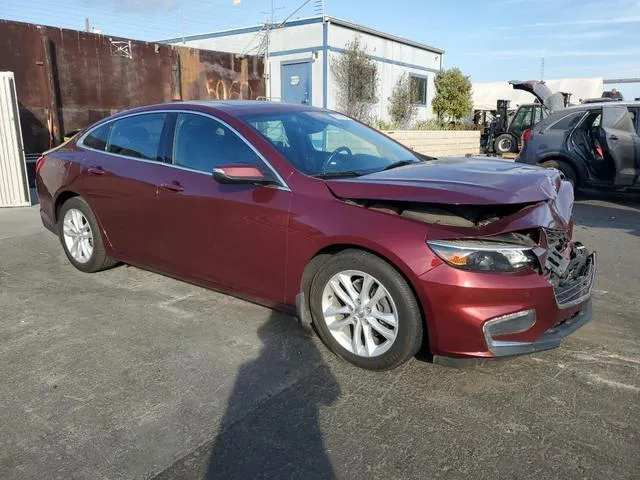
(282, 184)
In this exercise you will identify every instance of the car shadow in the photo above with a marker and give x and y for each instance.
(621, 210)
(270, 428)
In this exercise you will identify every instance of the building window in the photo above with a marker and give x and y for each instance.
(418, 90)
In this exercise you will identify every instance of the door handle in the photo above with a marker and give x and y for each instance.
(172, 187)
(96, 170)
(613, 137)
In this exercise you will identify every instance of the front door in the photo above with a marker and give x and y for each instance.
(296, 82)
(233, 236)
(621, 141)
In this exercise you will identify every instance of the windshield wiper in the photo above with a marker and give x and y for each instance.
(400, 163)
(348, 173)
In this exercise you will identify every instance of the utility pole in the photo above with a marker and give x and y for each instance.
(182, 26)
(87, 27)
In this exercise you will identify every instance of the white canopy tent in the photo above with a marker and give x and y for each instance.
(485, 95)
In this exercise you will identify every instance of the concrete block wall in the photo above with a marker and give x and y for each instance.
(439, 143)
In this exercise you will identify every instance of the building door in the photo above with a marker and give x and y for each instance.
(296, 82)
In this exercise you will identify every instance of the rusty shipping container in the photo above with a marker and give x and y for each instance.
(68, 79)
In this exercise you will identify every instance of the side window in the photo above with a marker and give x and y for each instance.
(202, 143)
(98, 138)
(568, 121)
(523, 117)
(618, 118)
(635, 120)
(537, 114)
(137, 136)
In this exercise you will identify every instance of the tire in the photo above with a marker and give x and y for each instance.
(566, 169)
(397, 304)
(505, 143)
(73, 213)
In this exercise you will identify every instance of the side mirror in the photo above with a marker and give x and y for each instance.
(241, 174)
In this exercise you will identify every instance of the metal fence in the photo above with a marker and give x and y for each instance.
(14, 186)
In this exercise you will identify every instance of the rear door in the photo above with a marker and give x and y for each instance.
(123, 161)
(621, 142)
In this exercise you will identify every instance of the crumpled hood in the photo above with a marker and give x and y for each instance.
(462, 181)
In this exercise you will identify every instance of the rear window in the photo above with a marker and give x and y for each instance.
(568, 122)
(97, 138)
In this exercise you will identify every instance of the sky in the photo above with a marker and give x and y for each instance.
(489, 40)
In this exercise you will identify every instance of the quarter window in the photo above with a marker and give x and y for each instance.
(568, 122)
(202, 143)
(418, 90)
(137, 136)
(98, 137)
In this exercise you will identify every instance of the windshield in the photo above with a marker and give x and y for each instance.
(329, 144)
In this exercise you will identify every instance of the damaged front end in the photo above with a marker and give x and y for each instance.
(544, 290)
(543, 228)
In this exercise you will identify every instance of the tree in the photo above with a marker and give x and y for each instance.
(453, 95)
(401, 107)
(356, 78)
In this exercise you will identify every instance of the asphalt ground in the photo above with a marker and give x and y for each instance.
(126, 374)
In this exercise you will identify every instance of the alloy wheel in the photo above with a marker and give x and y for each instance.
(360, 313)
(78, 236)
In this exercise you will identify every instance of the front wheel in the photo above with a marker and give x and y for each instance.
(566, 169)
(365, 311)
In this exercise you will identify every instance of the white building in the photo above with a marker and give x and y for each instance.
(300, 54)
(485, 95)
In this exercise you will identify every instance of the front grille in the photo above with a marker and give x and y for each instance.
(577, 286)
(557, 255)
(570, 267)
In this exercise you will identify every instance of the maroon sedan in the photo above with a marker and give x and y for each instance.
(292, 206)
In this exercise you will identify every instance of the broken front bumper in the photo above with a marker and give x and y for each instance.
(499, 316)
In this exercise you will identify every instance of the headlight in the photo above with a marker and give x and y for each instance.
(484, 256)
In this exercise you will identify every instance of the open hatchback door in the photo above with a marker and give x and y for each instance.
(552, 101)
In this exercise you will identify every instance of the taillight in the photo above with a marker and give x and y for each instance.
(526, 136)
(39, 163)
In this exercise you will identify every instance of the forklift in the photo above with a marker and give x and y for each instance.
(503, 134)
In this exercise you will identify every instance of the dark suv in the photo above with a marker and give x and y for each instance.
(593, 145)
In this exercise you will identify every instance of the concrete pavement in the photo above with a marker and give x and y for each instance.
(126, 374)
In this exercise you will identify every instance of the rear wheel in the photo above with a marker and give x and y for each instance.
(80, 237)
(505, 143)
(566, 169)
(365, 311)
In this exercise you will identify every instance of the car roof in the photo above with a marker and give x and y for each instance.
(593, 105)
(232, 107)
(243, 107)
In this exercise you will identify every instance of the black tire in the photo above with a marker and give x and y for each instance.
(566, 169)
(409, 334)
(99, 260)
(505, 143)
